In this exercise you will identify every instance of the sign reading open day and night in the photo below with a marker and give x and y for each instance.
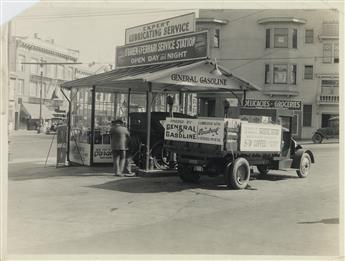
(209, 131)
(187, 47)
(168, 27)
(276, 104)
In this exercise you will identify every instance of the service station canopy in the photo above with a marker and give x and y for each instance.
(188, 76)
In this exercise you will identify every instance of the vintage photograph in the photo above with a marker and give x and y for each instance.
(164, 129)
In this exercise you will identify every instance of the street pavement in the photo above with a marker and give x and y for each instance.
(81, 210)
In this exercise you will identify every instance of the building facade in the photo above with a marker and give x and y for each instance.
(291, 55)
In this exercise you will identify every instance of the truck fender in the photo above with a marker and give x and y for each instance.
(297, 158)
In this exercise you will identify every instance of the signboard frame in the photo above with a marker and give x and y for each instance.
(160, 40)
(171, 19)
(270, 104)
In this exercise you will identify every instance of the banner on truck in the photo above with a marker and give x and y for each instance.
(195, 130)
(260, 137)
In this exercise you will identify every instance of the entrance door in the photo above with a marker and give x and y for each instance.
(207, 107)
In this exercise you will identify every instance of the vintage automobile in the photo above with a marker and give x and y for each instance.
(231, 146)
(332, 131)
(138, 138)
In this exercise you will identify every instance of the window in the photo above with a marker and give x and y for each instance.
(294, 38)
(280, 73)
(21, 59)
(216, 38)
(267, 73)
(268, 38)
(20, 87)
(307, 113)
(34, 67)
(309, 36)
(308, 72)
(34, 90)
(293, 74)
(336, 53)
(330, 83)
(281, 38)
(327, 52)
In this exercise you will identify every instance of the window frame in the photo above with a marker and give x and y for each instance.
(268, 38)
(275, 35)
(306, 36)
(293, 72)
(294, 38)
(216, 36)
(267, 74)
(287, 73)
(312, 72)
(308, 123)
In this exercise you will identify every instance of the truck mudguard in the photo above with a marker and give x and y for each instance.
(297, 158)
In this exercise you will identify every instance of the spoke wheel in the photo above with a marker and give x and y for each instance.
(317, 138)
(304, 167)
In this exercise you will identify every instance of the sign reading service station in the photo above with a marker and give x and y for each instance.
(187, 47)
(169, 27)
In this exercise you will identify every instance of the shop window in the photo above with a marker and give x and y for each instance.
(216, 38)
(280, 72)
(21, 60)
(308, 72)
(267, 74)
(293, 75)
(268, 38)
(327, 52)
(309, 36)
(294, 38)
(307, 115)
(20, 87)
(281, 37)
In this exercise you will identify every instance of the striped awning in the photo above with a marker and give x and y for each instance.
(33, 110)
(187, 76)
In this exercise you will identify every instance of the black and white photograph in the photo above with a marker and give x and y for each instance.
(172, 130)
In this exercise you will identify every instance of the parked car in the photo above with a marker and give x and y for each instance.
(332, 131)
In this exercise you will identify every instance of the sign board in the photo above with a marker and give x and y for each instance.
(164, 28)
(102, 153)
(61, 137)
(179, 48)
(80, 153)
(208, 131)
(275, 104)
(260, 137)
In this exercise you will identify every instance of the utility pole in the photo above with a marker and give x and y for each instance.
(41, 64)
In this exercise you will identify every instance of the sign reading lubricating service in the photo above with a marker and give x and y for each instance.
(276, 104)
(209, 131)
(173, 26)
(187, 47)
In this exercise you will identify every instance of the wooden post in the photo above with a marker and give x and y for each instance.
(128, 107)
(148, 124)
(93, 105)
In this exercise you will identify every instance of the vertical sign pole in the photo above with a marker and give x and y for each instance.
(93, 105)
(148, 124)
(41, 83)
(128, 107)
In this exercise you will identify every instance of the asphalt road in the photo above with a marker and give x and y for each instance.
(81, 210)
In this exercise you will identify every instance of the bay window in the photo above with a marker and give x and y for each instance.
(280, 72)
(281, 37)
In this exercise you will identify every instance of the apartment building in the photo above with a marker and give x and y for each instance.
(291, 55)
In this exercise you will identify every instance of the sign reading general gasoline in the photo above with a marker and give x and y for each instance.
(187, 47)
(164, 28)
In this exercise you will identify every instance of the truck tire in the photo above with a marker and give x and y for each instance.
(238, 174)
(263, 170)
(187, 174)
(317, 138)
(304, 166)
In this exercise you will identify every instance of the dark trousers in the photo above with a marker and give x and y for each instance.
(119, 161)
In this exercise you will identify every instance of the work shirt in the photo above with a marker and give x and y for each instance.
(119, 137)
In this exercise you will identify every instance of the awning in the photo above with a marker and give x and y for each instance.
(190, 76)
(33, 110)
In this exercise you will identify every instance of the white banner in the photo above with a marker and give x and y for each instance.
(208, 131)
(260, 137)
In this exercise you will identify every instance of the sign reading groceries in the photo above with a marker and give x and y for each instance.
(209, 131)
(187, 47)
(169, 27)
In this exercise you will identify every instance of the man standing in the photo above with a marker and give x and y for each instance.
(119, 145)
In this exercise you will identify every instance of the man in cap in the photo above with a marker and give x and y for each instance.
(119, 136)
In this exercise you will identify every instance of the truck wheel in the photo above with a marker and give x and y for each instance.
(304, 166)
(263, 170)
(187, 174)
(237, 176)
(317, 138)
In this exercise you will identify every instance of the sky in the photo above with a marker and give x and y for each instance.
(95, 28)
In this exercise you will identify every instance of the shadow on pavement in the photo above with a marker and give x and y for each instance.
(322, 221)
(274, 177)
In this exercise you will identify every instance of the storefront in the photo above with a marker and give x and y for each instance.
(90, 117)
